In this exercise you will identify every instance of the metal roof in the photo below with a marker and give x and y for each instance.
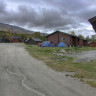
(36, 39)
(27, 39)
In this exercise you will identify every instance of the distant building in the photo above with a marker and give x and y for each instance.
(0, 40)
(91, 44)
(15, 40)
(93, 22)
(33, 41)
(67, 39)
(5, 40)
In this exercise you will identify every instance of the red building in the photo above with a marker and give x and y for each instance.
(91, 44)
(68, 39)
(16, 40)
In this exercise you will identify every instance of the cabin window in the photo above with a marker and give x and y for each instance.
(63, 39)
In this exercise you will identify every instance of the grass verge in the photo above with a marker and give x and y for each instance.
(63, 63)
(91, 83)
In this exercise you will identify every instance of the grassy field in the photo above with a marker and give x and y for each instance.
(63, 63)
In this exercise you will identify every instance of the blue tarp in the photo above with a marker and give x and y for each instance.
(47, 44)
(61, 44)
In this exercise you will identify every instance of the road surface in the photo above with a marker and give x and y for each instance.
(22, 75)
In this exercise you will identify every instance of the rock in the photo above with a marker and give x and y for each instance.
(62, 50)
(64, 59)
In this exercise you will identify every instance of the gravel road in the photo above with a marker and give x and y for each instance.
(22, 75)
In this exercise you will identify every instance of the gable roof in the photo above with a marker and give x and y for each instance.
(59, 32)
(66, 34)
(27, 39)
(35, 39)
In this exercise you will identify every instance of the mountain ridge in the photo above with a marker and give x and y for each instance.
(14, 29)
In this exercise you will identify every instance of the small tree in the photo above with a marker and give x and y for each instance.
(80, 36)
(22, 36)
(37, 34)
(73, 33)
(43, 38)
(8, 34)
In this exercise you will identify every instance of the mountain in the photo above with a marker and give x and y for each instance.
(14, 29)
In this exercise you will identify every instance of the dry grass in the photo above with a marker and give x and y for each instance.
(91, 83)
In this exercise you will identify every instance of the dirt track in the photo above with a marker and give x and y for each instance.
(22, 75)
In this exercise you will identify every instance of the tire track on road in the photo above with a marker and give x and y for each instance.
(23, 80)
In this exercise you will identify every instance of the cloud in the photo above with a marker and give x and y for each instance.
(47, 18)
(49, 14)
(2, 7)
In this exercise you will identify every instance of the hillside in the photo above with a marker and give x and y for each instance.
(14, 29)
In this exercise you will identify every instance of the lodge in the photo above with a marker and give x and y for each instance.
(67, 39)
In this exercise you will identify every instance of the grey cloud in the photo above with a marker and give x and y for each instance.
(47, 18)
(2, 7)
(50, 14)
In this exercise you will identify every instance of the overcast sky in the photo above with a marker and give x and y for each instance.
(49, 15)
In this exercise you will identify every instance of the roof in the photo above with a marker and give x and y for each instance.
(92, 19)
(27, 39)
(90, 42)
(59, 32)
(66, 34)
(93, 22)
(35, 39)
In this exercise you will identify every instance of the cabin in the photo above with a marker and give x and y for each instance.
(91, 44)
(33, 41)
(67, 39)
(15, 40)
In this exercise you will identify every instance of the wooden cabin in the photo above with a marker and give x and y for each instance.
(15, 40)
(67, 39)
(91, 44)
